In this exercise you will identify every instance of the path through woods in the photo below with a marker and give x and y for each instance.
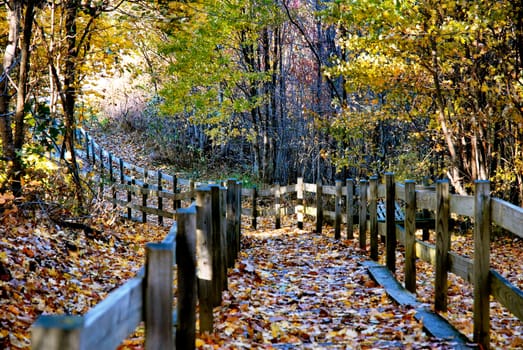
(297, 289)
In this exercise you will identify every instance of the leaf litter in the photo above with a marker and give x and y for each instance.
(289, 288)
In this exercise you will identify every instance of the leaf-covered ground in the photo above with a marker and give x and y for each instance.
(296, 289)
(53, 268)
(289, 288)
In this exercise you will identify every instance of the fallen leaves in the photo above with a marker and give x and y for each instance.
(295, 289)
(52, 269)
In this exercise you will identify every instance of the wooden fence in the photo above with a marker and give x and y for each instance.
(346, 202)
(202, 243)
(359, 205)
(139, 191)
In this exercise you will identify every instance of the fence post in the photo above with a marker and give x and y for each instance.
(350, 208)
(204, 255)
(442, 245)
(299, 206)
(159, 296)
(111, 171)
(57, 332)
(319, 206)
(186, 264)
(231, 215)
(93, 152)
(145, 194)
(238, 215)
(390, 221)
(102, 172)
(277, 205)
(363, 215)
(224, 248)
(176, 202)
(481, 265)
(373, 217)
(254, 207)
(337, 210)
(160, 198)
(130, 184)
(410, 238)
(216, 225)
(87, 146)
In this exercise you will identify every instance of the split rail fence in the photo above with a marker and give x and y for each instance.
(369, 204)
(422, 207)
(202, 243)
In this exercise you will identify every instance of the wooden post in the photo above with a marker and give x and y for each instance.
(238, 215)
(390, 222)
(111, 178)
(87, 146)
(350, 208)
(56, 332)
(410, 238)
(299, 204)
(254, 207)
(191, 188)
(111, 171)
(223, 236)
(129, 196)
(122, 174)
(319, 207)
(186, 264)
(482, 228)
(363, 215)
(442, 245)
(93, 152)
(373, 217)
(160, 198)
(277, 205)
(231, 217)
(176, 202)
(145, 194)
(216, 225)
(101, 173)
(204, 254)
(337, 210)
(159, 296)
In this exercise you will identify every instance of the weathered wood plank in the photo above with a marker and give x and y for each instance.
(481, 259)
(141, 208)
(390, 222)
(108, 323)
(442, 246)
(426, 200)
(410, 239)
(337, 220)
(506, 293)
(462, 205)
(299, 204)
(204, 255)
(319, 207)
(508, 216)
(373, 217)
(350, 210)
(363, 215)
(158, 297)
(187, 292)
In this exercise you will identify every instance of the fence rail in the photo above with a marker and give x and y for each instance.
(199, 245)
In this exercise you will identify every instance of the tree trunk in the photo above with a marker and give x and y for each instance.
(14, 14)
